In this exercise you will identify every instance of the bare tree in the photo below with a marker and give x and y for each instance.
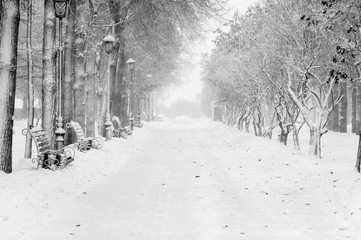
(9, 27)
(69, 63)
(48, 71)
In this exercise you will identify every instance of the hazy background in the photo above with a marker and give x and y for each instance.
(185, 99)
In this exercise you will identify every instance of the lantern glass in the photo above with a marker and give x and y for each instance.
(131, 64)
(108, 47)
(108, 43)
(60, 8)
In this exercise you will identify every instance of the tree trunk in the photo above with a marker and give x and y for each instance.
(91, 71)
(229, 112)
(103, 113)
(240, 121)
(79, 69)
(331, 118)
(247, 121)
(283, 137)
(124, 105)
(312, 141)
(120, 93)
(69, 72)
(79, 83)
(49, 80)
(358, 159)
(259, 122)
(240, 124)
(269, 132)
(119, 98)
(30, 97)
(99, 83)
(315, 142)
(113, 74)
(296, 141)
(9, 28)
(255, 128)
(353, 122)
(343, 108)
(91, 106)
(336, 112)
(358, 109)
(113, 63)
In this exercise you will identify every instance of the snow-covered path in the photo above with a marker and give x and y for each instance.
(188, 181)
(167, 190)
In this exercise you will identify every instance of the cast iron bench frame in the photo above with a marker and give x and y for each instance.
(84, 143)
(47, 157)
(120, 132)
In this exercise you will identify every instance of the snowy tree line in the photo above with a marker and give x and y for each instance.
(151, 32)
(290, 64)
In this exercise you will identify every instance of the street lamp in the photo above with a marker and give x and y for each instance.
(60, 7)
(131, 66)
(138, 111)
(108, 44)
(148, 100)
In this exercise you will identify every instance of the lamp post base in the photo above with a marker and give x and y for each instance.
(108, 130)
(131, 122)
(59, 140)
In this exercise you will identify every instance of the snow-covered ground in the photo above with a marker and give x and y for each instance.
(231, 185)
(28, 195)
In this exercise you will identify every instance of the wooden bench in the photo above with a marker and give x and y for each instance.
(118, 130)
(84, 143)
(128, 130)
(138, 124)
(47, 157)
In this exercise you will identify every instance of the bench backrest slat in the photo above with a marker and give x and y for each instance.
(78, 130)
(41, 141)
(39, 134)
(44, 148)
(117, 121)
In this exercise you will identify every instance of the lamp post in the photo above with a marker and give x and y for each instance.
(138, 111)
(156, 104)
(137, 122)
(131, 65)
(148, 101)
(108, 44)
(28, 143)
(60, 7)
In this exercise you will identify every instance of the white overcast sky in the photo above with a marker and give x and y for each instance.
(242, 5)
(191, 88)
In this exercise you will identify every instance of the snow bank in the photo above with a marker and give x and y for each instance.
(328, 191)
(27, 195)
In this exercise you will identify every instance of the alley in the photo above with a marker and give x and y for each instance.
(188, 183)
